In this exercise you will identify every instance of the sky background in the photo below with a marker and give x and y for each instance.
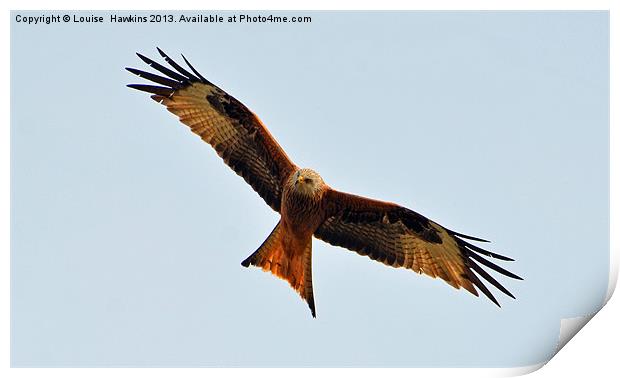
(128, 231)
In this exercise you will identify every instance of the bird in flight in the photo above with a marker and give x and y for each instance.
(383, 231)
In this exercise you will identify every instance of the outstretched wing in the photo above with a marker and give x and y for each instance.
(236, 133)
(400, 237)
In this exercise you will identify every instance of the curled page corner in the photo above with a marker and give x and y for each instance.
(569, 328)
(613, 273)
(521, 370)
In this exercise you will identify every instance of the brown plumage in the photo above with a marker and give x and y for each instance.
(383, 231)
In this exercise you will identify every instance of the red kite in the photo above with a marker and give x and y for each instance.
(383, 231)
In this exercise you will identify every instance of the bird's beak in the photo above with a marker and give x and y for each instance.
(300, 179)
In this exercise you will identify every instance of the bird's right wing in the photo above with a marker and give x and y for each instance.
(236, 134)
(399, 237)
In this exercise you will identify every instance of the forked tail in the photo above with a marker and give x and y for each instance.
(289, 263)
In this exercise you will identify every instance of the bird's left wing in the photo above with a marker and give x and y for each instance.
(399, 237)
(236, 134)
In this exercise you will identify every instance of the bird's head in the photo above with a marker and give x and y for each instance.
(306, 181)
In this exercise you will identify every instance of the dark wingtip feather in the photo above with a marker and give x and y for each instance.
(482, 251)
(194, 70)
(166, 71)
(177, 67)
(155, 78)
(493, 266)
(485, 290)
(468, 236)
(161, 91)
(484, 274)
(145, 59)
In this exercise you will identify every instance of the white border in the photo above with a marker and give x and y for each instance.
(587, 357)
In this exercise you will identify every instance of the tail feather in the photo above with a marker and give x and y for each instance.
(293, 266)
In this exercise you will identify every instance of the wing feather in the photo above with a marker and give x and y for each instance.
(399, 237)
(236, 134)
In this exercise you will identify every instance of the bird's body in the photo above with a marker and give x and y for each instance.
(383, 231)
(288, 251)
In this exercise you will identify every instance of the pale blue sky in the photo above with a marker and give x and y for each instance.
(128, 231)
